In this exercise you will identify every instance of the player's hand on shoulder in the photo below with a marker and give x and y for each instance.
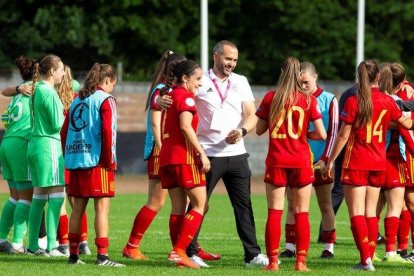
(164, 102)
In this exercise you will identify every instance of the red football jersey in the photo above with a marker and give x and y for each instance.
(365, 149)
(288, 143)
(175, 148)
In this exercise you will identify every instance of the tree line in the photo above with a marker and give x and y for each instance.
(136, 32)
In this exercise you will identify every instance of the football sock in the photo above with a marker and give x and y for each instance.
(404, 230)
(102, 245)
(174, 225)
(360, 232)
(290, 233)
(373, 229)
(84, 228)
(21, 217)
(74, 243)
(391, 230)
(7, 218)
(329, 237)
(52, 219)
(35, 218)
(273, 230)
(63, 229)
(302, 228)
(141, 223)
(190, 225)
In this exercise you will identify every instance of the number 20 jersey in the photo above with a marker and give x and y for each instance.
(288, 144)
(365, 149)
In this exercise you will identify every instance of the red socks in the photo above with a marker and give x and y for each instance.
(73, 243)
(273, 229)
(391, 230)
(141, 223)
(290, 233)
(84, 228)
(404, 230)
(190, 225)
(329, 236)
(175, 224)
(102, 245)
(302, 229)
(63, 230)
(373, 229)
(360, 232)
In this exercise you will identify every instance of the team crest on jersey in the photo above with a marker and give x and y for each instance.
(190, 102)
(79, 117)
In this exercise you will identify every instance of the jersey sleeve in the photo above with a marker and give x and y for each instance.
(186, 103)
(64, 133)
(349, 112)
(108, 115)
(396, 113)
(263, 111)
(54, 109)
(315, 111)
(153, 104)
(332, 130)
(247, 93)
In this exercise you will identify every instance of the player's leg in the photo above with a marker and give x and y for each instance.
(323, 195)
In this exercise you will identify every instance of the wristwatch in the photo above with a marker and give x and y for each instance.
(244, 131)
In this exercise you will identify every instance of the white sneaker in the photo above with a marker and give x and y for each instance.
(258, 261)
(56, 253)
(18, 248)
(198, 261)
(43, 243)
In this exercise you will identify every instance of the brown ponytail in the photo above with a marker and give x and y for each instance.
(95, 77)
(367, 75)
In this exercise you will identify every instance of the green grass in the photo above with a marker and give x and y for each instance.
(218, 235)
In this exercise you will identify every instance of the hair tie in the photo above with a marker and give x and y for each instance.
(170, 52)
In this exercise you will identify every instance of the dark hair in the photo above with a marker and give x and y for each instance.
(367, 74)
(391, 75)
(42, 67)
(167, 61)
(184, 68)
(26, 67)
(95, 77)
(218, 48)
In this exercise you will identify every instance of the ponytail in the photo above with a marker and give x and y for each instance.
(95, 77)
(367, 75)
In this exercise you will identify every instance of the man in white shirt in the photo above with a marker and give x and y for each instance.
(226, 110)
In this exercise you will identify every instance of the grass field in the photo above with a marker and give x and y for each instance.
(218, 235)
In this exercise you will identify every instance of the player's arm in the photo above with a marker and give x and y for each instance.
(64, 133)
(156, 126)
(52, 106)
(261, 126)
(249, 122)
(339, 144)
(406, 122)
(108, 115)
(186, 118)
(405, 105)
(319, 133)
(11, 91)
(332, 129)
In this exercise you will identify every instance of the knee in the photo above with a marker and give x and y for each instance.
(155, 205)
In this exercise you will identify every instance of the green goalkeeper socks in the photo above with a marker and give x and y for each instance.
(52, 218)
(7, 218)
(21, 216)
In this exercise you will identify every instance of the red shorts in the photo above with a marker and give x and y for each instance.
(283, 177)
(397, 174)
(153, 167)
(93, 182)
(363, 178)
(67, 176)
(320, 179)
(182, 175)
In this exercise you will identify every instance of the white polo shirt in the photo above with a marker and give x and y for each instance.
(221, 113)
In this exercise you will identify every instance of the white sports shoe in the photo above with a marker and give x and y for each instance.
(43, 243)
(258, 261)
(56, 253)
(18, 248)
(198, 261)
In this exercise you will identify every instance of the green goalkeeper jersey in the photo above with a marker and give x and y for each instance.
(18, 121)
(47, 114)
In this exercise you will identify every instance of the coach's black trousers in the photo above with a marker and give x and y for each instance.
(236, 176)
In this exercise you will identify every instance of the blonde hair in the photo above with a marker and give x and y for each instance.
(65, 89)
(287, 84)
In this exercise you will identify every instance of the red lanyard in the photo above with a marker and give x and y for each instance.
(223, 97)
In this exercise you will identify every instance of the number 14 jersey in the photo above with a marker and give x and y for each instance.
(288, 144)
(365, 149)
